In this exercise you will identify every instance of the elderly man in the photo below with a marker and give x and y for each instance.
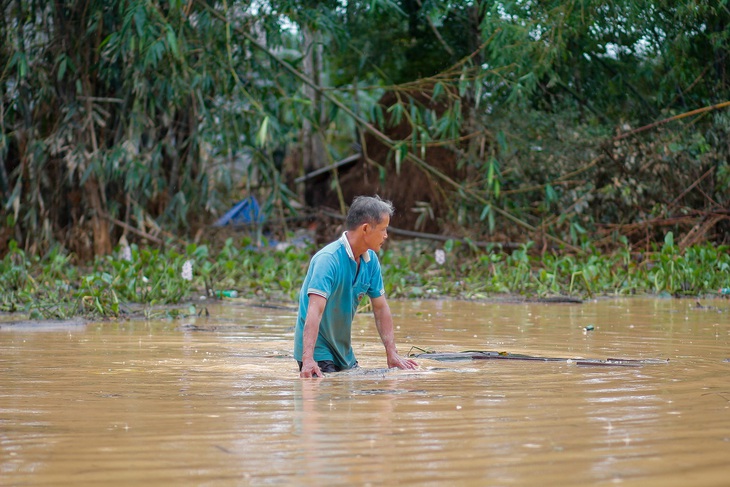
(339, 276)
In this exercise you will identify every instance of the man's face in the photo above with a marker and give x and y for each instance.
(375, 235)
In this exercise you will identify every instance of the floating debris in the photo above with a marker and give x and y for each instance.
(557, 299)
(479, 355)
(622, 362)
(489, 355)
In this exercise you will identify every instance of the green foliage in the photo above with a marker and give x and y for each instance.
(128, 111)
(414, 39)
(51, 287)
(155, 115)
(624, 59)
(692, 272)
(699, 270)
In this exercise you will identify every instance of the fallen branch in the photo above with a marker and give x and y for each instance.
(672, 119)
(699, 231)
(433, 236)
(133, 229)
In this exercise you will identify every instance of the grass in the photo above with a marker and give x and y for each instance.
(150, 283)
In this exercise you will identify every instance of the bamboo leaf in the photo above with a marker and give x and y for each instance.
(62, 67)
(396, 114)
(485, 211)
(22, 63)
(262, 133)
(502, 141)
(438, 90)
(172, 42)
(140, 19)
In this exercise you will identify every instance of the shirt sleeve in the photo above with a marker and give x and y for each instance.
(376, 288)
(324, 276)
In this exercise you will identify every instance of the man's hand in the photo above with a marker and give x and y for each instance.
(396, 361)
(310, 369)
(384, 323)
(309, 338)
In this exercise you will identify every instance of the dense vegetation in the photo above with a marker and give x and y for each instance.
(583, 126)
(147, 283)
(140, 117)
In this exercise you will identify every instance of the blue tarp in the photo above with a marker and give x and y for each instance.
(245, 212)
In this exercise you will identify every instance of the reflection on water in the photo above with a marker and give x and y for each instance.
(218, 401)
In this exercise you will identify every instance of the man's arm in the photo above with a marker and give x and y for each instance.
(309, 336)
(384, 323)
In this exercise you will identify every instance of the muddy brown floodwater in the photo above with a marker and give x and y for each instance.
(217, 401)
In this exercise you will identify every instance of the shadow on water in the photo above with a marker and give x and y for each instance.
(218, 401)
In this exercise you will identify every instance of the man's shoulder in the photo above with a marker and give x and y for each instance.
(331, 251)
(331, 248)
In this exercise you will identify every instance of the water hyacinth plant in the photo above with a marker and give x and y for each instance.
(187, 271)
(134, 281)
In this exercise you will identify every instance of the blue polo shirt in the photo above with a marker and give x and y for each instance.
(333, 274)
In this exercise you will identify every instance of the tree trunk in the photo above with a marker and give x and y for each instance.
(99, 223)
(313, 150)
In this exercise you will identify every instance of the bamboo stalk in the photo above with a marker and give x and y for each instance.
(698, 111)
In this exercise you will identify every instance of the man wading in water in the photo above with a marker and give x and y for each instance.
(339, 276)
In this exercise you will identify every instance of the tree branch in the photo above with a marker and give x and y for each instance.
(698, 111)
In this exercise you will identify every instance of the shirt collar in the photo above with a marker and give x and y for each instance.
(365, 256)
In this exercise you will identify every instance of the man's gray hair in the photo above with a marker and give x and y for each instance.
(368, 209)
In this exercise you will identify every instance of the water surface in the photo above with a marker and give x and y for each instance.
(217, 400)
